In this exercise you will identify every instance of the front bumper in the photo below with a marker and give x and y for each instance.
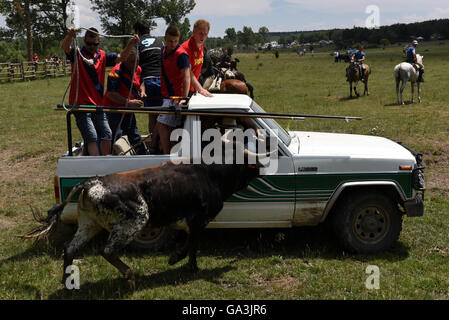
(414, 207)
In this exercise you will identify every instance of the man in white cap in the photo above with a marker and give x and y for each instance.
(411, 58)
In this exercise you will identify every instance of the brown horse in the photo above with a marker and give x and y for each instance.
(353, 75)
(233, 86)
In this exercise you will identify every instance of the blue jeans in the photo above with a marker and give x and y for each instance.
(93, 126)
(153, 91)
(127, 128)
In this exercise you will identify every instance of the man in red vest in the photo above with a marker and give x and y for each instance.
(87, 87)
(195, 49)
(121, 93)
(175, 82)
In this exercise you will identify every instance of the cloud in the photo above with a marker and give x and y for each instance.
(437, 13)
(208, 8)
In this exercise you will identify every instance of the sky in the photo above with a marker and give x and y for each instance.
(295, 15)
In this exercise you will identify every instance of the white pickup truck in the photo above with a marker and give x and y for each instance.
(364, 184)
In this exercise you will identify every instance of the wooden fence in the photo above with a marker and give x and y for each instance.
(28, 70)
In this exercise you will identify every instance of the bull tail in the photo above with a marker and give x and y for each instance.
(48, 224)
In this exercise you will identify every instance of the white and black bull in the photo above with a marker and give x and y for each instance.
(124, 203)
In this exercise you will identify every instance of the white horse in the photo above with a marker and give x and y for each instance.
(406, 72)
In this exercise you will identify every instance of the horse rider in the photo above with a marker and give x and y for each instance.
(411, 58)
(359, 57)
(225, 59)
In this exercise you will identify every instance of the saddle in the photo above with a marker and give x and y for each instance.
(415, 65)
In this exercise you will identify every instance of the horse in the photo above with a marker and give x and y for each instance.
(343, 56)
(233, 86)
(405, 72)
(353, 75)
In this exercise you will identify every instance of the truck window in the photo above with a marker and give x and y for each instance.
(272, 124)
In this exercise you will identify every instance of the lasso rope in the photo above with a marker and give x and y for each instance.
(127, 100)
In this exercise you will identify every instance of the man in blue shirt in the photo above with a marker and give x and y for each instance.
(360, 57)
(411, 58)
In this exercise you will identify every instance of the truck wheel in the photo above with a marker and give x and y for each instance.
(153, 239)
(367, 223)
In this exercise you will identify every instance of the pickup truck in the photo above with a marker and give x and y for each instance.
(364, 184)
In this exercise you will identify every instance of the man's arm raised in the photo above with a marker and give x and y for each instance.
(66, 43)
(125, 52)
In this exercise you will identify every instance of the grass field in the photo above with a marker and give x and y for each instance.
(246, 264)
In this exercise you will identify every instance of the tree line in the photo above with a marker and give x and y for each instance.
(342, 38)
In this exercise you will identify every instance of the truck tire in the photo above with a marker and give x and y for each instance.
(154, 239)
(367, 223)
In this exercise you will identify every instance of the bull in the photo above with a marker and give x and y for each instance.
(124, 203)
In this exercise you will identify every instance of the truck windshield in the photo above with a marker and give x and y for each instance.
(272, 124)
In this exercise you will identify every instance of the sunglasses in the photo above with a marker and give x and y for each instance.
(92, 43)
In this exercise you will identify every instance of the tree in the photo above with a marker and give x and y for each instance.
(18, 13)
(264, 33)
(36, 20)
(258, 38)
(51, 18)
(172, 11)
(384, 42)
(231, 35)
(246, 36)
(184, 30)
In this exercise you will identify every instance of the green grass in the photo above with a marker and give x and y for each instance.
(248, 264)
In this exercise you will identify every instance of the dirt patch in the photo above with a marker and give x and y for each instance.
(20, 178)
(6, 223)
(277, 284)
(437, 162)
(439, 156)
(280, 283)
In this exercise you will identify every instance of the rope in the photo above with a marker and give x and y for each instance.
(106, 35)
(75, 70)
(127, 100)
